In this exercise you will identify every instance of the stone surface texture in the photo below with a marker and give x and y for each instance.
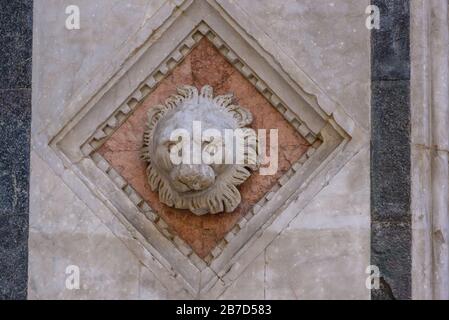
(322, 253)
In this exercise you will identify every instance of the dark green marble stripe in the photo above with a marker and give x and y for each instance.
(16, 24)
(390, 150)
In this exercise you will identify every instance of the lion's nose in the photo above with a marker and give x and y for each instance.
(196, 177)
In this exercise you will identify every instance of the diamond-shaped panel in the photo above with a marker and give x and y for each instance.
(204, 65)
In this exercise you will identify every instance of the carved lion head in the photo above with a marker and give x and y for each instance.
(205, 186)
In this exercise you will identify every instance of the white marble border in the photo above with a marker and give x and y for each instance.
(430, 148)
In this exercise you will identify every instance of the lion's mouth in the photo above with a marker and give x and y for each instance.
(188, 178)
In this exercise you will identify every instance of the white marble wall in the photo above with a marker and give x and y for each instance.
(324, 251)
